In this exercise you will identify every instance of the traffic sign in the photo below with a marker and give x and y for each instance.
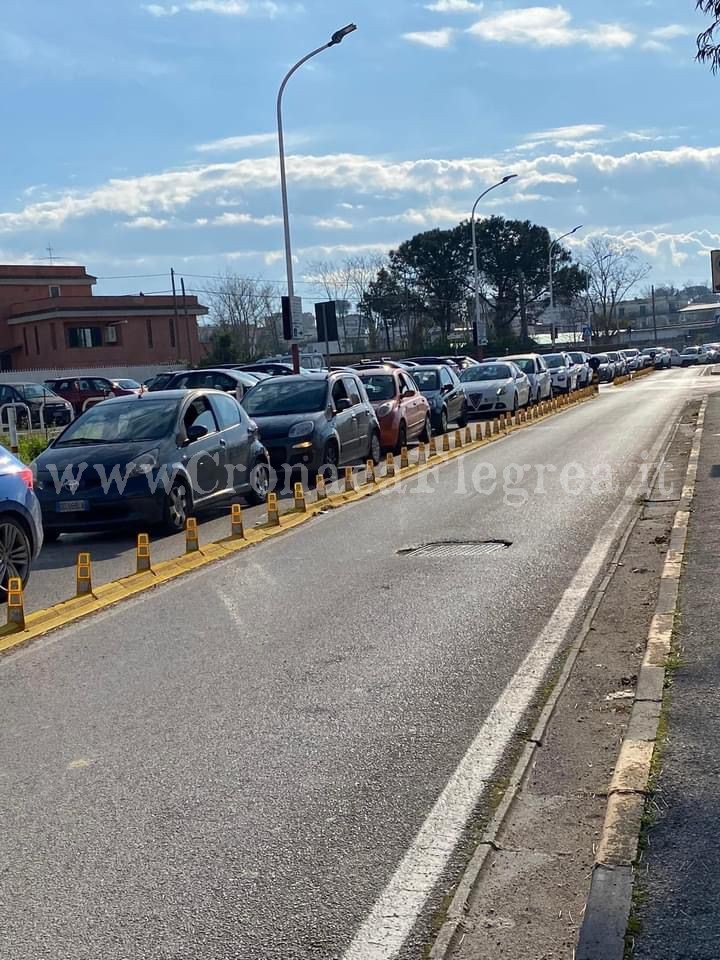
(292, 316)
(715, 262)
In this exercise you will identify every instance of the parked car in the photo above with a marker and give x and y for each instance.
(21, 530)
(495, 388)
(660, 358)
(125, 383)
(620, 363)
(159, 381)
(535, 369)
(271, 369)
(675, 358)
(441, 386)
(633, 359)
(604, 366)
(153, 458)
(395, 364)
(46, 408)
(320, 422)
(83, 392)
(229, 381)
(563, 371)
(691, 356)
(433, 362)
(402, 411)
(462, 362)
(580, 359)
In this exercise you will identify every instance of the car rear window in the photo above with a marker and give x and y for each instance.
(426, 379)
(277, 398)
(122, 423)
(380, 387)
(487, 371)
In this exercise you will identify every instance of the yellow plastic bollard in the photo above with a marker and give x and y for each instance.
(404, 459)
(237, 528)
(320, 487)
(446, 443)
(422, 454)
(299, 497)
(370, 472)
(143, 553)
(432, 448)
(192, 539)
(390, 466)
(349, 480)
(458, 439)
(15, 604)
(273, 511)
(468, 435)
(83, 578)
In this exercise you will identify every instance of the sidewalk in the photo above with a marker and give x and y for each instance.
(678, 881)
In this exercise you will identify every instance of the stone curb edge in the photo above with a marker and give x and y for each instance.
(607, 910)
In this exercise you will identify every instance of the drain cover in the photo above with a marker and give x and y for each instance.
(459, 550)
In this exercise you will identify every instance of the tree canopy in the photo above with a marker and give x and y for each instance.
(708, 42)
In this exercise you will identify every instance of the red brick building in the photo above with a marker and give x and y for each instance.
(50, 318)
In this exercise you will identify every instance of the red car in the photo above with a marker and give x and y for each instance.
(402, 411)
(83, 392)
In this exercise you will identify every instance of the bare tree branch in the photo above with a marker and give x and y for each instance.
(708, 46)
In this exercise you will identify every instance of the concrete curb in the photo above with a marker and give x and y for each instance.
(453, 929)
(41, 622)
(607, 911)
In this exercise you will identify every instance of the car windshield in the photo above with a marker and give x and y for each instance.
(525, 363)
(128, 384)
(555, 360)
(426, 380)
(487, 371)
(578, 357)
(280, 398)
(381, 387)
(135, 420)
(602, 357)
(32, 391)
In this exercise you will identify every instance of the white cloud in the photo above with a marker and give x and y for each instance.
(578, 131)
(438, 39)
(549, 27)
(671, 32)
(146, 223)
(227, 144)
(158, 10)
(226, 8)
(235, 219)
(332, 223)
(454, 6)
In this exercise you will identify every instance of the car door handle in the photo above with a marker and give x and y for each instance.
(223, 443)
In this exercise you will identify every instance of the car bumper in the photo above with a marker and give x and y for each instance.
(480, 405)
(286, 454)
(104, 511)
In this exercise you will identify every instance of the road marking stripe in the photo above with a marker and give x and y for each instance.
(397, 910)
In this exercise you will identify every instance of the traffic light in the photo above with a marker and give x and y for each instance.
(715, 261)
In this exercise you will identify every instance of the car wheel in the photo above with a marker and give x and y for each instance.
(402, 437)
(516, 403)
(15, 552)
(538, 396)
(462, 419)
(443, 421)
(426, 434)
(177, 509)
(375, 451)
(259, 483)
(330, 460)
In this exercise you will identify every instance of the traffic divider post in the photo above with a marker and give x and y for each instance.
(404, 459)
(15, 604)
(422, 454)
(433, 448)
(237, 529)
(83, 575)
(143, 553)
(458, 439)
(273, 511)
(192, 538)
(390, 465)
(446, 443)
(370, 472)
(320, 487)
(349, 480)
(299, 497)
(468, 435)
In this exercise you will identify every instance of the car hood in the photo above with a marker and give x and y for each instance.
(472, 386)
(275, 427)
(101, 454)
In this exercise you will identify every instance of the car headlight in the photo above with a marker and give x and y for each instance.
(561, 374)
(502, 390)
(384, 409)
(301, 429)
(143, 465)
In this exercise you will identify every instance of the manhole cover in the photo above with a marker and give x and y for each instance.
(462, 550)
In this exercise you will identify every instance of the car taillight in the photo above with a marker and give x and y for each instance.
(27, 478)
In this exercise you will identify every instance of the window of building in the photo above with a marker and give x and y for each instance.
(84, 337)
(643, 310)
(54, 292)
(37, 339)
(148, 327)
(172, 332)
(53, 337)
(621, 313)
(111, 335)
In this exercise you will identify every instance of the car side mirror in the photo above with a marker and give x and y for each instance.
(406, 394)
(196, 432)
(446, 388)
(343, 404)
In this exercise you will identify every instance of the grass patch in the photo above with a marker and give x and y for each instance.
(29, 447)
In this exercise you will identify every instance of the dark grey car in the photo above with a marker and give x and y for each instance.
(309, 422)
(441, 386)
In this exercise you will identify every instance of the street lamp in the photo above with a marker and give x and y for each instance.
(553, 244)
(336, 38)
(480, 331)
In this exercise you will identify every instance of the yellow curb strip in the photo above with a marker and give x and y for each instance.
(67, 612)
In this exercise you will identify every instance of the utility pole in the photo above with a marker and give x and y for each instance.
(187, 321)
(654, 315)
(176, 321)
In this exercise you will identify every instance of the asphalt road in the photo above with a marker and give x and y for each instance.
(235, 765)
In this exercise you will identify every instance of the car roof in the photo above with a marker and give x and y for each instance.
(148, 396)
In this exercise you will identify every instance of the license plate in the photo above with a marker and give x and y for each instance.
(72, 506)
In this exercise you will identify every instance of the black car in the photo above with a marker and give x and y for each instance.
(46, 408)
(441, 385)
(434, 362)
(269, 368)
(154, 458)
(315, 422)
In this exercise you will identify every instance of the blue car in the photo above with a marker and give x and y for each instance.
(21, 531)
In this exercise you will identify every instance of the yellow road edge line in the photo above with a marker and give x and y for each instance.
(103, 597)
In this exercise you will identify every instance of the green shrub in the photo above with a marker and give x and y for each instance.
(30, 446)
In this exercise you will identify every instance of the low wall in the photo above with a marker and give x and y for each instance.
(138, 372)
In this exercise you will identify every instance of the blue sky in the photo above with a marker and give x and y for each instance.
(140, 136)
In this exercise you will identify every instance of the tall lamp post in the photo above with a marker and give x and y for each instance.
(480, 333)
(336, 38)
(553, 244)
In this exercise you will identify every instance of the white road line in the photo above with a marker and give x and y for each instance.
(392, 918)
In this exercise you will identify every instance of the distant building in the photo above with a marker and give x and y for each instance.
(50, 318)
